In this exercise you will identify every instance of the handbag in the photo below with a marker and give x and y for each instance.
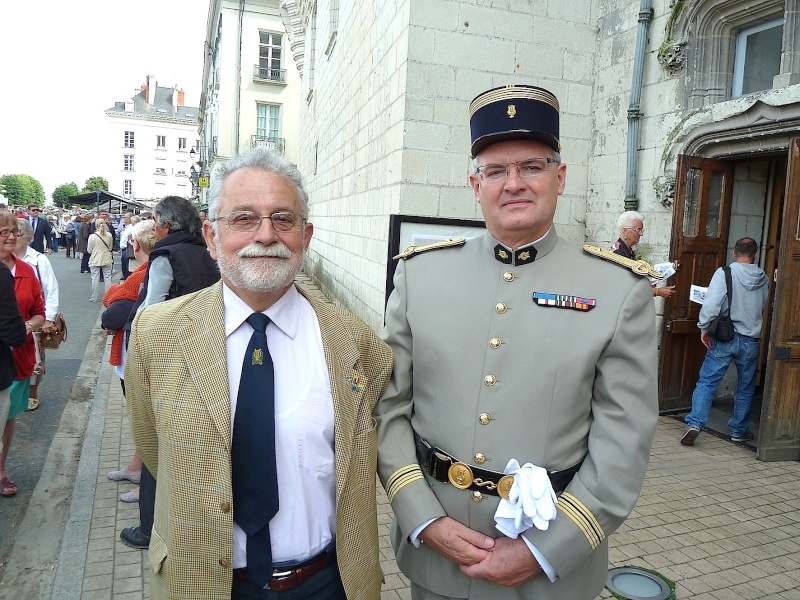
(52, 340)
(721, 326)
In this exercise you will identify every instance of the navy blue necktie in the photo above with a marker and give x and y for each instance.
(255, 477)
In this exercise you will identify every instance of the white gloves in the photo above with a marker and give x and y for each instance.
(532, 501)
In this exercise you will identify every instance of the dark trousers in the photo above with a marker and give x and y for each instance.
(147, 501)
(123, 258)
(70, 244)
(85, 262)
(325, 585)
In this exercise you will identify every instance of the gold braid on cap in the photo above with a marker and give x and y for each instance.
(640, 267)
(512, 93)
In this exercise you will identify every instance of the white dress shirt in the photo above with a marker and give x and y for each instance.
(47, 277)
(306, 519)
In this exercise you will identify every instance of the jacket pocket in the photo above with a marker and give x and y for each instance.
(157, 553)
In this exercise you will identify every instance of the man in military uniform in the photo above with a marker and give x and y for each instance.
(514, 345)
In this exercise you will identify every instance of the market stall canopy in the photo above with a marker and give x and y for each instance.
(104, 200)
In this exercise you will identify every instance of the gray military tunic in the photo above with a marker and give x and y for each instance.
(486, 373)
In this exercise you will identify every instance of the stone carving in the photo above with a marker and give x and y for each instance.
(672, 55)
(664, 185)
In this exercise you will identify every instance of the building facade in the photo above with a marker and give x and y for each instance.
(150, 139)
(251, 87)
(686, 110)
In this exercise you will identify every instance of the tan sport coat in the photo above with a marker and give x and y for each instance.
(179, 405)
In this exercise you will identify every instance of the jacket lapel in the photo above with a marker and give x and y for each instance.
(348, 381)
(202, 341)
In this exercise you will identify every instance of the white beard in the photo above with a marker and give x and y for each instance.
(259, 276)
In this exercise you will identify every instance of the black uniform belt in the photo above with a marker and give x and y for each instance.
(284, 580)
(447, 468)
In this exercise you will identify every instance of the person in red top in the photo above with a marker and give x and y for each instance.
(31, 306)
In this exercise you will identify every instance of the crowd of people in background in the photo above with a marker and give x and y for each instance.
(29, 236)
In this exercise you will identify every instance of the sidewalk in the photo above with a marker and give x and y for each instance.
(712, 518)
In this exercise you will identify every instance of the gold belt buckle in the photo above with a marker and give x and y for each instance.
(460, 475)
(504, 486)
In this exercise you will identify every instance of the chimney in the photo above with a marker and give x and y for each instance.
(181, 97)
(175, 98)
(151, 89)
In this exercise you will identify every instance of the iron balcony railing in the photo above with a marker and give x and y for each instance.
(268, 74)
(273, 143)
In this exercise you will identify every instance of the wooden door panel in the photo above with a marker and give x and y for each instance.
(699, 241)
(779, 433)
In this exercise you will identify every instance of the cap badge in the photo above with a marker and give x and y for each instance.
(512, 111)
(258, 357)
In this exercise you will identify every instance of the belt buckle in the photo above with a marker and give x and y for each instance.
(282, 581)
(279, 575)
(504, 486)
(460, 475)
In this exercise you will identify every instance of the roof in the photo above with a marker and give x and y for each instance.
(160, 109)
(106, 200)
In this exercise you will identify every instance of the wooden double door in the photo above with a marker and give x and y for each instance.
(700, 238)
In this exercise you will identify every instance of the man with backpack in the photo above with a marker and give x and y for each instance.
(749, 293)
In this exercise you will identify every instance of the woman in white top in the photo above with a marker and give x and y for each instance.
(99, 248)
(47, 277)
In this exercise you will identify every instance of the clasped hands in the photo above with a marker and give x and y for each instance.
(503, 561)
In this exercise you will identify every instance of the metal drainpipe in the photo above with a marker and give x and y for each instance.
(238, 78)
(645, 16)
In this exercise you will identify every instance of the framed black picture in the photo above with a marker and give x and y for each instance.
(415, 230)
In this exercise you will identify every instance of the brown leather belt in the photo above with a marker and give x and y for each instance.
(448, 469)
(285, 580)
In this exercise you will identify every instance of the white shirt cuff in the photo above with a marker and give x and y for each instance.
(414, 537)
(543, 562)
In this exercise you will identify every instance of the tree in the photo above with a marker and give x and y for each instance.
(22, 190)
(62, 193)
(94, 184)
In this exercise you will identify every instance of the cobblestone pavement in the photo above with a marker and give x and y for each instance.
(712, 518)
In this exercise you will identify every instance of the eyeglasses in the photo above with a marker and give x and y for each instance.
(529, 168)
(33, 210)
(247, 220)
(639, 230)
(4, 233)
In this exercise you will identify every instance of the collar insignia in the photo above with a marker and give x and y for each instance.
(522, 256)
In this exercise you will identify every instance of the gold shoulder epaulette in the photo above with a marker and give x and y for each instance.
(640, 267)
(414, 250)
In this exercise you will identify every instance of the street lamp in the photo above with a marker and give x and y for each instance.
(192, 155)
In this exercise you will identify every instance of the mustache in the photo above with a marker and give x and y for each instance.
(276, 250)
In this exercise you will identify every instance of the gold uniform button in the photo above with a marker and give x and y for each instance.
(501, 308)
(224, 562)
(225, 506)
(477, 496)
(490, 380)
(480, 458)
(485, 418)
(495, 342)
(508, 276)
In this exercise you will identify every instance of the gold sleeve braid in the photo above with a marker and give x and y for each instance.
(582, 517)
(401, 478)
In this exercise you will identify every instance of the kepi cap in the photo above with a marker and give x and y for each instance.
(514, 112)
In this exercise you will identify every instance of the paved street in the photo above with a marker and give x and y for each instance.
(718, 522)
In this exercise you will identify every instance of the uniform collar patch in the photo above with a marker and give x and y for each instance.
(520, 256)
(563, 301)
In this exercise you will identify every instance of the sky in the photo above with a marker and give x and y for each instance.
(62, 64)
